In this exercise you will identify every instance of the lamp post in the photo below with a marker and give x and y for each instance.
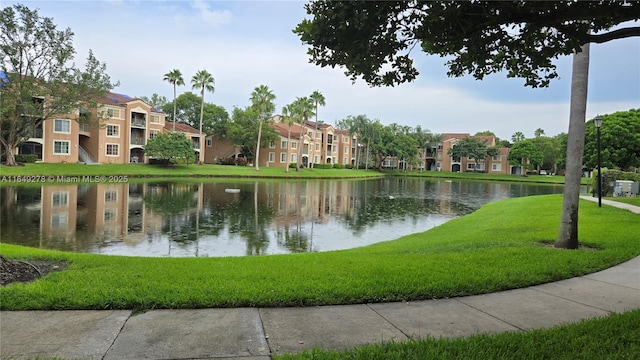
(598, 122)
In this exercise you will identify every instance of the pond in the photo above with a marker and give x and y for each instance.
(212, 218)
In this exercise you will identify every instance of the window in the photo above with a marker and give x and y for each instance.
(283, 144)
(60, 199)
(317, 147)
(114, 113)
(439, 157)
(111, 196)
(272, 144)
(113, 130)
(294, 157)
(346, 161)
(496, 158)
(318, 135)
(471, 166)
(155, 119)
(61, 147)
(335, 148)
(59, 220)
(283, 157)
(316, 159)
(294, 145)
(153, 134)
(113, 149)
(109, 215)
(345, 139)
(209, 142)
(62, 126)
(310, 133)
(496, 167)
(272, 157)
(480, 167)
(346, 150)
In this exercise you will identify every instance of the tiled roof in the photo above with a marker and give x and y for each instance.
(181, 127)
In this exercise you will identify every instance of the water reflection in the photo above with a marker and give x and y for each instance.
(202, 219)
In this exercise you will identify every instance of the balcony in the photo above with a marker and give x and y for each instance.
(195, 145)
(138, 141)
(84, 127)
(139, 123)
(35, 134)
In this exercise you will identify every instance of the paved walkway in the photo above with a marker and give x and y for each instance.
(632, 208)
(258, 333)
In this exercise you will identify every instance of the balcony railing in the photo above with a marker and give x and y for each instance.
(195, 145)
(138, 141)
(139, 123)
(35, 134)
(84, 127)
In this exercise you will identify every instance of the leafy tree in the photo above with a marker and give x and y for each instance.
(473, 148)
(204, 81)
(39, 79)
(374, 40)
(551, 150)
(539, 132)
(156, 101)
(619, 141)
(404, 147)
(485, 133)
(525, 154)
(423, 139)
(263, 100)
(215, 117)
(175, 78)
(170, 148)
(243, 131)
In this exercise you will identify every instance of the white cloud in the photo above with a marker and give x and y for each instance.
(211, 17)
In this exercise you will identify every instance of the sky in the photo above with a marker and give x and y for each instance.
(244, 44)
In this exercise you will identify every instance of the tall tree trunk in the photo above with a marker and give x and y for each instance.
(258, 145)
(568, 232)
(174, 106)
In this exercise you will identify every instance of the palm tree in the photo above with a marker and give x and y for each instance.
(303, 110)
(424, 140)
(262, 99)
(204, 81)
(517, 136)
(174, 77)
(318, 99)
(287, 112)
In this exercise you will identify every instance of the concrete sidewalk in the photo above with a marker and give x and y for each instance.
(257, 333)
(634, 209)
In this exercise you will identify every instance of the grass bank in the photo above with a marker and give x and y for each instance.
(613, 337)
(627, 200)
(498, 247)
(144, 170)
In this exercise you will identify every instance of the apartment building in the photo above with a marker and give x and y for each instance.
(319, 143)
(118, 136)
(442, 161)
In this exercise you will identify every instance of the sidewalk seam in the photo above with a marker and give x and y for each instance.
(389, 322)
(117, 336)
(488, 314)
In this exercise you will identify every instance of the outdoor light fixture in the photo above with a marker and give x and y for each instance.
(598, 122)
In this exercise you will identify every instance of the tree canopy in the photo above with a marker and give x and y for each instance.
(473, 148)
(525, 154)
(170, 148)
(215, 118)
(620, 141)
(374, 39)
(38, 77)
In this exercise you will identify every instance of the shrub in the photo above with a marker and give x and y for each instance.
(27, 158)
(349, 166)
(338, 166)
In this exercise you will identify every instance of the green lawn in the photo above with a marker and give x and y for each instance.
(500, 246)
(613, 337)
(207, 170)
(145, 170)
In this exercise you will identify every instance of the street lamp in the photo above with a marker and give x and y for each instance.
(598, 122)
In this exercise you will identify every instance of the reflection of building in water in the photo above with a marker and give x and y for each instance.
(83, 217)
(313, 201)
(59, 212)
